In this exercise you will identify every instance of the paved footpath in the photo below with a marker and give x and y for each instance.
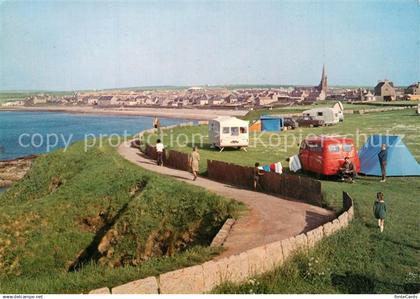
(269, 218)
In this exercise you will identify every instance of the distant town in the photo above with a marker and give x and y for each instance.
(223, 97)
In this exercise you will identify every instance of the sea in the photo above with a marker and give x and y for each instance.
(28, 133)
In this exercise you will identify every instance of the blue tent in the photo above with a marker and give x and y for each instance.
(271, 123)
(400, 161)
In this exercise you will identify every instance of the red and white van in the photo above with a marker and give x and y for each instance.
(325, 154)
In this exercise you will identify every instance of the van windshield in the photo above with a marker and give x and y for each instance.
(315, 147)
(333, 148)
(347, 147)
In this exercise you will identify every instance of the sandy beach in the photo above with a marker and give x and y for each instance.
(192, 114)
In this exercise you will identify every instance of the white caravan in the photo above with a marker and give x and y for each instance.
(328, 115)
(227, 131)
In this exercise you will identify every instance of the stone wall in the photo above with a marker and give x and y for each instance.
(236, 268)
(287, 185)
(376, 110)
(223, 233)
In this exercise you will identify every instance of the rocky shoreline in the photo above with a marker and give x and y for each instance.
(13, 170)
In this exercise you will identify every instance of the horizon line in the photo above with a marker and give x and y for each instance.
(238, 85)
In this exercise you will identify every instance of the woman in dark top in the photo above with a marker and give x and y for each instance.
(379, 210)
(383, 156)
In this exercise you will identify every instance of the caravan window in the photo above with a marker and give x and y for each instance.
(243, 130)
(234, 131)
(226, 130)
(347, 147)
(320, 113)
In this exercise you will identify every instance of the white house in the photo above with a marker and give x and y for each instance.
(227, 131)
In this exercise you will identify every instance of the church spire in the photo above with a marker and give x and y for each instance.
(323, 85)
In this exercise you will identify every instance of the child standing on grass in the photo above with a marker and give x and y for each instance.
(379, 210)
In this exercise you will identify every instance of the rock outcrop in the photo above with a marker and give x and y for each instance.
(14, 170)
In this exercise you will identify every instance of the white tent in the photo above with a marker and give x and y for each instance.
(340, 110)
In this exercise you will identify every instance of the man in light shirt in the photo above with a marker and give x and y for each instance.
(159, 150)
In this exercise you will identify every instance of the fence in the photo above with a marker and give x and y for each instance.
(176, 160)
(287, 185)
(347, 201)
(172, 159)
(150, 151)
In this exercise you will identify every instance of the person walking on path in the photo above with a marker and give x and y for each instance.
(194, 162)
(379, 210)
(159, 149)
(156, 123)
(383, 156)
(258, 173)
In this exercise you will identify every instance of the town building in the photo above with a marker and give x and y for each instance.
(385, 91)
(412, 92)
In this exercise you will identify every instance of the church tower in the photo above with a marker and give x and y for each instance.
(323, 85)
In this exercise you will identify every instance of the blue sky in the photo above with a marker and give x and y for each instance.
(67, 45)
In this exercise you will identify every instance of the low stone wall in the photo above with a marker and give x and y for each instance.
(287, 185)
(236, 268)
(374, 110)
(223, 233)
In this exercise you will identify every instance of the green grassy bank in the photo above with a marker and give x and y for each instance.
(82, 220)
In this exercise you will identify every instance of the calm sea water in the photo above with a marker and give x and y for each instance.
(38, 125)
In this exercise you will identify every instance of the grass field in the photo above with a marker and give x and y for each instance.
(359, 259)
(255, 114)
(20, 95)
(12, 96)
(82, 220)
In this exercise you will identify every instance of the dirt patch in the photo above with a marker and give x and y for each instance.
(106, 235)
(55, 183)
